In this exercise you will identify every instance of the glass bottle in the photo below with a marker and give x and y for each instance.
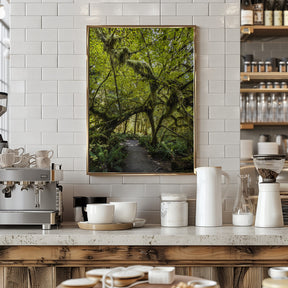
(268, 13)
(252, 108)
(242, 108)
(242, 214)
(259, 108)
(258, 12)
(246, 12)
(285, 13)
(264, 108)
(274, 108)
(280, 109)
(284, 107)
(278, 13)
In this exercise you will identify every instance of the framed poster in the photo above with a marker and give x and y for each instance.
(141, 99)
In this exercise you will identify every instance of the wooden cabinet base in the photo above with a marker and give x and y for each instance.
(48, 266)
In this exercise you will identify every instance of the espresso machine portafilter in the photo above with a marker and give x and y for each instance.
(30, 196)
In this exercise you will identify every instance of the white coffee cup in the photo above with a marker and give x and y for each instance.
(18, 151)
(26, 161)
(43, 162)
(45, 153)
(9, 159)
(125, 212)
(100, 213)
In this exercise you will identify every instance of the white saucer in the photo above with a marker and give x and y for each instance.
(79, 282)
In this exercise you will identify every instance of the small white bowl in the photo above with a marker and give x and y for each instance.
(278, 272)
(100, 213)
(125, 212)
(203, 283)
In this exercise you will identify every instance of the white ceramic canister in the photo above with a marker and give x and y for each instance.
(174, 210)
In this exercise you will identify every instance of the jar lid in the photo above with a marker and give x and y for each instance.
(173, 197)
(275, 283)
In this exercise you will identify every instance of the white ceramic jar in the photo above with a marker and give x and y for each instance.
(174, 210)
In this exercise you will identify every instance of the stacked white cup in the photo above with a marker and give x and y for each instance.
(10, 157)
(43, 158)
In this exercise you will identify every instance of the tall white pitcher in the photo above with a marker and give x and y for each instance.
(209, 196)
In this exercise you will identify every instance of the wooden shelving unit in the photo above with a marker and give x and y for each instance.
(258, 90)
(250, 76)
(262, 31)
(250, 126)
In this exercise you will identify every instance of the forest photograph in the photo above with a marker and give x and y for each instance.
(140, 99)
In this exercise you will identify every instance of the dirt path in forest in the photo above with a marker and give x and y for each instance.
(138, 160)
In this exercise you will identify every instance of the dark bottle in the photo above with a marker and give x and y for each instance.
(246, 12)
(278, 13)
(258, 12)
(268, 13)
(285, 13)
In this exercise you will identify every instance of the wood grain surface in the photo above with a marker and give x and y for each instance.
(48, 266)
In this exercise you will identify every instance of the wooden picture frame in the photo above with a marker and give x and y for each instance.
(141, 99)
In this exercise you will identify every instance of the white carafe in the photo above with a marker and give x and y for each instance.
(209, 196)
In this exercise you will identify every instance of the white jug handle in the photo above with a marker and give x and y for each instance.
(51, 155)
(18, 162)
(20, 153)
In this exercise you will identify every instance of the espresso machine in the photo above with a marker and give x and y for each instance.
(30, 196)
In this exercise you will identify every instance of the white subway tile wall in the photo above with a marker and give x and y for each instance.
(47, 101)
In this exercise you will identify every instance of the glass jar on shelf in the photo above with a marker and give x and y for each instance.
(242, 107)
(263, 109)
(274, 108)
(284, 107)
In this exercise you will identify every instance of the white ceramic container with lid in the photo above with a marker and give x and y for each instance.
(274, 283)
(278, 272)
(174, 210)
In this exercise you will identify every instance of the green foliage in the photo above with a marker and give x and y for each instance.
(107, 157)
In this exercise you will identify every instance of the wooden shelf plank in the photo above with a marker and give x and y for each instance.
(250, 126)
(248, 76)
(263, 90)
(248, 32)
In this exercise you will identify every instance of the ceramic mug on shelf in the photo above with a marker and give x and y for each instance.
(43, 162)
(9, 159)
(27, 160)
(45, 153)
(18, 151)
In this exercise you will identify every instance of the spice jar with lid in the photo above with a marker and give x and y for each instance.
(268, 66)
(247, 66)
(254, 66)
(282, 66)
(174, 210)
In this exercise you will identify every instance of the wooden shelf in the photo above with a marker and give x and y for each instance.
(250, 76)
(248, 32)
(263, 90)
(250, 126)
